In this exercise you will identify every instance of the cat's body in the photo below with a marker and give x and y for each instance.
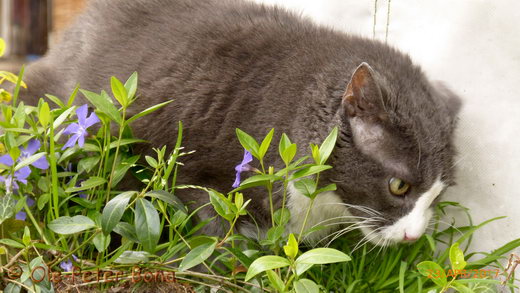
(233, 64)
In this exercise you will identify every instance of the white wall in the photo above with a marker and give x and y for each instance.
(474, 46)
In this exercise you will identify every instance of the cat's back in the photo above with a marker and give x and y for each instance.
(171, 39)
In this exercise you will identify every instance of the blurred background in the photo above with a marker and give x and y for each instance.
(471, 45)
(29, 27)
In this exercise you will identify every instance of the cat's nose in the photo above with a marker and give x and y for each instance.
(408, 237)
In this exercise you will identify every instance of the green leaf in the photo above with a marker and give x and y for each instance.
(125, 141)
(131, 85)
(244, 259)
(26, 238)
(133, 257)
(221, 205)
(28, 161)
(55, 100)
(119, 91)
(101, 241)
(260, 179)
(197, 255)
(307, 171)
(147, 224)
(289, 153)
(87, 184)
(291, 249)
(122, 168)
(114, 210)
(178, 218)
(104, 104)
(461, 288)
(315, 150)
(275, 233)
(45, 114)
(433, 271)
(239, 200)
(457, 257)
(285, 142)
(6, 207)
(306, 186)
(147, 111)
(328, 145)
(126, 230)
(63, 116)
(151, 161)
(248, 142)
(275, 281)
(282, 217)
(168, 198)
(265, 263)
(264, 146)
(305, 286)
(69, 225)
(72, 96)
(43, 200)
(12, 288)
(322, 256)
(330, 187)
(86, 164)
(11, 243)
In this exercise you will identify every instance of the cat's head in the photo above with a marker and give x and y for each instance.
(395, 152)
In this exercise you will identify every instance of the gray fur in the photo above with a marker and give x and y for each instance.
(234, 64)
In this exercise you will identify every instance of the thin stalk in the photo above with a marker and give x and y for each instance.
(35, 223)
(270, 191)
(54, 171)
(305, 219)
(229, 232)
(121, 129)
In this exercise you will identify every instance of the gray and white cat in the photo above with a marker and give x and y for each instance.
(234, 64)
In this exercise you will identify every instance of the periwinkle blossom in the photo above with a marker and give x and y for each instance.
(21, 215)
(67, 265)
(242, 167)
(79, 130)
(11, 181)
(32, 146)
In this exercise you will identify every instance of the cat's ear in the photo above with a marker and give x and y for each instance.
(363, 96)
(363, 105)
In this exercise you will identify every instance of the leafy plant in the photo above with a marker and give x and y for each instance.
(62, 208)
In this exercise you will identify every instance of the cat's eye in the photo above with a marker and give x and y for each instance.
(398, 186)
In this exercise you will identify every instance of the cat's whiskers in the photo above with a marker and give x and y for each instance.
(368, 223)
(364, 209)
(367, 238)
(344, 217)
(347, 229)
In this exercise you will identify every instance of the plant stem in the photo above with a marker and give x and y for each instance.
(229, 232)
(305, 219)
(54, 171)
(121, 129)
(35, 223)
(270, 191)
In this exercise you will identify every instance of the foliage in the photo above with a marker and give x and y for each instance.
(62, 207)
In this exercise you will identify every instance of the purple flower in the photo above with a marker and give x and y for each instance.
(67, 265)
(242, 167)
(11, 182)
(32, 147)
(21, 175)
(79, 130)
(21, 215)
